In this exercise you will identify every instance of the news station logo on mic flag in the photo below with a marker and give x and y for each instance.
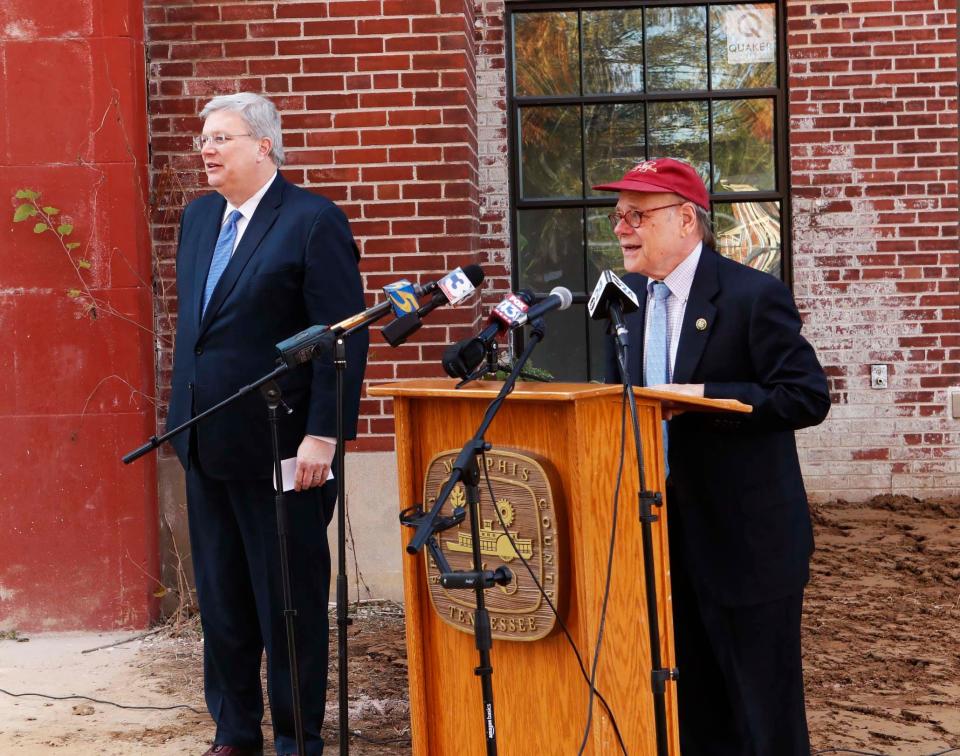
(456, 286)
(403, 297)
(510, 310)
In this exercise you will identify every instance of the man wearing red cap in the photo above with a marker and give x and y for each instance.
(740, 534)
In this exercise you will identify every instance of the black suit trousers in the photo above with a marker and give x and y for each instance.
(236, 560)
(740, 687)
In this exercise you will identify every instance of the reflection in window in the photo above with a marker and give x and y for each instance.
(743, 46)
(551, 247)
(546, 53)
(550, 152)
(743, 145)
(550, 250)
(613, 51)
(749, 232)
(680, 130)
(613, 141)
(676, 48)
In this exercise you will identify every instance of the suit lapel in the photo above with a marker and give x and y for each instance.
(263, 218)
(698, 318)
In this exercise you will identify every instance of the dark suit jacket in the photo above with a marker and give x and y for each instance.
(738, 508)
(295, 266)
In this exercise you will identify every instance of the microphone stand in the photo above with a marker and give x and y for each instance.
(647, 500)
(272, 395)
(466, 469)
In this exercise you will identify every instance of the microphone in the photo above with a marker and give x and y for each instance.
(451, 289)
(559, 298)
(611, 292)
(300, 347)
(462, 358)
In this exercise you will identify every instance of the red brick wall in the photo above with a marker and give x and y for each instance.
(873, 132)
(396, 109)
(378, 99)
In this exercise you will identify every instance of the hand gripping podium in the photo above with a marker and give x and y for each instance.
(553, 464)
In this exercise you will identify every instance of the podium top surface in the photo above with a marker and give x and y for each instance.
(537, 391)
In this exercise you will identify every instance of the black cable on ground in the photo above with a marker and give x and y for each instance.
(105, 703)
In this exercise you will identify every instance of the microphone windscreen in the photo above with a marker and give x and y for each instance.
(462, 358)
(474, 274)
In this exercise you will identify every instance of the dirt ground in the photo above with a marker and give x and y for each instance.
(881, 642)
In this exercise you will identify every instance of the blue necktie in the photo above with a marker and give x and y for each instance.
(657, 349)
(221, 256)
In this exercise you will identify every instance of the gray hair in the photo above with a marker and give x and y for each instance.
(706, 226)
(260, 114)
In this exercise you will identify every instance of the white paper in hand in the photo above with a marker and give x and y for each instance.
(288, 468)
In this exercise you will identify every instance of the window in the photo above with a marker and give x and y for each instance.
(593, 90)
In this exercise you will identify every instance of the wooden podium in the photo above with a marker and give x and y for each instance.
(540, 695)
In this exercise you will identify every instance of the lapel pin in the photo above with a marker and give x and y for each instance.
(701, 324)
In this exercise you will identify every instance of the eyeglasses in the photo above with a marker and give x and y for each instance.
(635, 217)
(218, 140)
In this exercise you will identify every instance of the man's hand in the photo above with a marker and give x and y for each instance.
(313, 463)
(687, 389)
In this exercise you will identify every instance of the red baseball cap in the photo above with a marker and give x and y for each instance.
(663, 175)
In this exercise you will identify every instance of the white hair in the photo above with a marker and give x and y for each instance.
(260, 115)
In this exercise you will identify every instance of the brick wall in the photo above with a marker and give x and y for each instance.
(396, 110)
(873, 132)
(379, 107)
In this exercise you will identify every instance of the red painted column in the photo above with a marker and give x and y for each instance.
(78, 529)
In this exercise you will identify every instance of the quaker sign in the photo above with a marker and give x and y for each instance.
(751, 35)
(524, 496)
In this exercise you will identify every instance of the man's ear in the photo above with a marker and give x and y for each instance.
(263, 148)
(689, 214)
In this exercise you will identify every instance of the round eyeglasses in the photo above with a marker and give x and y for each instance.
(635, 217)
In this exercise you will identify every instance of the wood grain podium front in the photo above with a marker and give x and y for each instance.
(540, 696)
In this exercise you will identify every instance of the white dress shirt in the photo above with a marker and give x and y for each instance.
(679, 281)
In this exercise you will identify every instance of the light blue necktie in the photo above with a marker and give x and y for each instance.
(221, 256)
(657, 349)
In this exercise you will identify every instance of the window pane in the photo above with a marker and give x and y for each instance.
(550, 253)
(614, 142)
(676, 48)
(550, 152)
(743, 46)
(550, 248)
(679, 130)
(749, 232)
(612, 51)
(546, 54)
(603, 249)
(743, 145)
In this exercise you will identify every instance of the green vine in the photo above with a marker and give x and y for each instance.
(46, 221)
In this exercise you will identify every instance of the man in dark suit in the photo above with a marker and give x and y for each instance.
(740, 533)
(259, 260)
